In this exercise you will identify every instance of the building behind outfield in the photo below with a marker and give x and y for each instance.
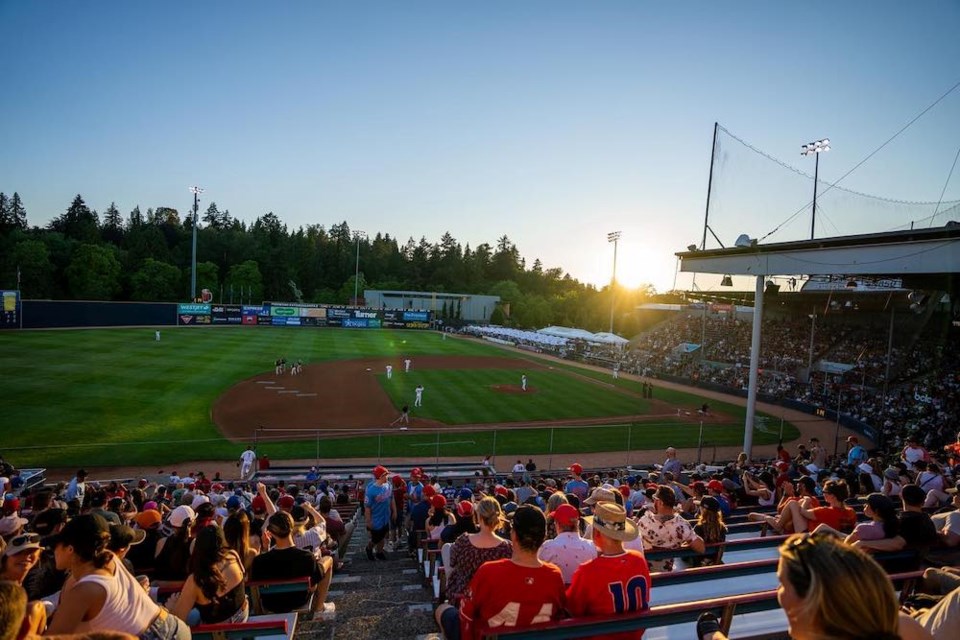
(473, 307)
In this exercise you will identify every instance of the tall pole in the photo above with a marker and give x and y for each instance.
(193, 263)
(816, 172)
(356, 275)
(754, 368)
(613, 237)
(706, 215)
(813, 327)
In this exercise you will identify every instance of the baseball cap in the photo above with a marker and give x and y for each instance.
(565, 515)
(416, 472)
(625, 490)
(122, 536)
(258, 504)
(429, 491)
(181, 515)
(147, 518)
(82, 528)
(600, 495)
(438, 501)
(379, 471)
(465, 494)
(715, 485)
(299, 514)
(22, 542)
(233, 502)
(397, 481)
(47, 521)
(286, 502)
(710, 503)
(465, 508)
(576, 468)
(501, 490)
(11, 524)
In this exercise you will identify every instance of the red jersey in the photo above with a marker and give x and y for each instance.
(608, 585)
(399, 497)
(505, 594)
(840, 519)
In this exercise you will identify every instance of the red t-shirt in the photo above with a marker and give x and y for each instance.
(840, 519)
(611, 585)
(505, 594)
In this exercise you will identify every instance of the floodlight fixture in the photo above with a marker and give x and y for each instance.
(613, 237)
(356, 276)
(727, 281)
(692, 247)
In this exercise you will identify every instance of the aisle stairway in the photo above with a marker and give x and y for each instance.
(378, 599)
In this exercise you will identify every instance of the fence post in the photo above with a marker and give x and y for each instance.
(629, 434)
(550, 464)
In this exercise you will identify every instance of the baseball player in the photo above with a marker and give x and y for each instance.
(156, 335)
(418, 400)
(616, 371)
(277, 366)
(406, 365)
(389, 371)
(247, 463)
(523, 382)
(404, 416)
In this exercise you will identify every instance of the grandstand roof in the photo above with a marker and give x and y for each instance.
(925, 258)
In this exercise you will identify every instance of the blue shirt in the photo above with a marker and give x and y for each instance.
(857, 455)
(377, 498)
(578, 488)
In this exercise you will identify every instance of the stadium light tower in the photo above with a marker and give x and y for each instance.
(356, 277)
(815, 148)
(613, 237)
(193, 263)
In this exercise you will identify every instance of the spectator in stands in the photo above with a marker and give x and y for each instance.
(337, 530)
(472, 550)
(891, 483)
(514, 592)
(286, 562)
(236, 534)
(567, 550)
(378, 510)
(577, 486)
(883, 521)
(20, 556)
(440, 517)
(933, 482)
(400, 500)
(836, 514)
(856, 454)
(77, 487)
(102, 595)
(947, 522)
(711, 529)
(19, 618)
(818, 455)
(662, 528)
(174, 549)
(672, 464)
(917, 530)
(805, 493)
(870, 481)
(215, 586)
(616, 581)
(419, 514)
(760, 487)
(913, 453)
(309, 529)
(465, 522)
(829, 589)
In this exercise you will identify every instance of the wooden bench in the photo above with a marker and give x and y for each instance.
(256, 589)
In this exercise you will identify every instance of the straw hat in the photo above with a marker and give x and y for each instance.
(611, 520)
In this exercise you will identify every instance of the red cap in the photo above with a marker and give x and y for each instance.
(465, 508)
(429, 491)
(565, 515)
(416, 472)
(142, 482)
(285, 503)
(11, 505)
(397, 481)
(852, 439)
(438, 501)
(576, 468)
(625, 491)
(218, 488)
(258, 504)
(715, 485)
(379, 471)
(501, 490)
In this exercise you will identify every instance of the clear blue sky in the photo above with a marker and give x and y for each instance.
(551, 122)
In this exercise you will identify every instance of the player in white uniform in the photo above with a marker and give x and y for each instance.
(389, 371)
(418, 400)
(248, 460)
(156, 335)
(406, 365)
(523, 382)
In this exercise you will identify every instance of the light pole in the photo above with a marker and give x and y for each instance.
(193, 263)
(356, 275)
(815, 149)
(613, 236)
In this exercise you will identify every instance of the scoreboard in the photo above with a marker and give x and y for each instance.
(9, 309)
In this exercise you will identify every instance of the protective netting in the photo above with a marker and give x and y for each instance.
(770, 199)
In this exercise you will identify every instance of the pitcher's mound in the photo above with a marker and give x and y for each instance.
(512, 388)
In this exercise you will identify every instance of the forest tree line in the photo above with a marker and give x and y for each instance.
(85, 255)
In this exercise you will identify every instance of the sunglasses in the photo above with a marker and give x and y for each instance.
(799, 545)
(26, 538)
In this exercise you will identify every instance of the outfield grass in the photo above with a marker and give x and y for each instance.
(468, 396)
(117, 397)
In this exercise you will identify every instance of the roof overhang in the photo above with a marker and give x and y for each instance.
(922, 252)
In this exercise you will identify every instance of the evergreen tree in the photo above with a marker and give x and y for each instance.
(17, 213)
(78, 222)
(5, 221)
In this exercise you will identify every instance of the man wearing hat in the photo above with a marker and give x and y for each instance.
(617, 580)
(577, 486)
(568, 550)
(379, 510)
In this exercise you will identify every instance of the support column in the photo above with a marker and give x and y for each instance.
(754, 368)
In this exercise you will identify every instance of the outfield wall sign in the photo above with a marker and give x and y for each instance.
(10, 309)
(298, 314)
(194, 313)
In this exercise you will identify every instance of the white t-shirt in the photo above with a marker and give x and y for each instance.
(519, 468)
(568, 551)
(248, 456)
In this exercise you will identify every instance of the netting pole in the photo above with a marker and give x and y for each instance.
(629, 433)
(700, 443)
(550, 465)
(706, 215)
(379, 446)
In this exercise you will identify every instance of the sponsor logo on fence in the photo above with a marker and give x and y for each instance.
(193, 309)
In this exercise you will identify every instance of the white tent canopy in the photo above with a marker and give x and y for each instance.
(609, 338)
(580, 334)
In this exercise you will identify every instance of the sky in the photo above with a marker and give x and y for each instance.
(551, 122)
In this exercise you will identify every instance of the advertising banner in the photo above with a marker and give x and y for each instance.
(226, 314)
(416, 316)
(249, 319)
(193, 309)
(9, 309)
(284, 311)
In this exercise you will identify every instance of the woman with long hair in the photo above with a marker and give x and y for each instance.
(236, 531)
(215, 586)
(836, 514)
(473, 549)
(100, 594)
(174, 548)
(883, 523)
(830, 589)
(439, 518)
(711, 528)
